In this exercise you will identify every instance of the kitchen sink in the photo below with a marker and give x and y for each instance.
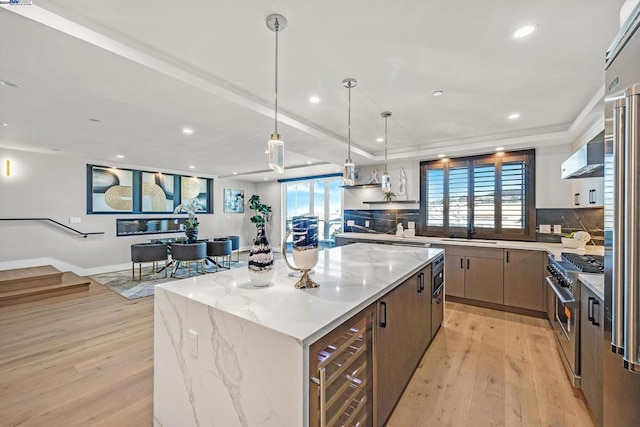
(463, 240)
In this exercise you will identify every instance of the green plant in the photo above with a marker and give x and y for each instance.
(189, 207)
(387, 196)
(263, 211)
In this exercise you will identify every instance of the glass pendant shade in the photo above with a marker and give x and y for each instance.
(386, 182)
(276, 153)
(349, 175)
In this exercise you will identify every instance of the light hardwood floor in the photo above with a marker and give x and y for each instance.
(87, 360)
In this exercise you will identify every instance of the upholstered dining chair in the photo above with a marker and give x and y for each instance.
(220, 248)
(189, 252)
(235, 246)
(148, 252)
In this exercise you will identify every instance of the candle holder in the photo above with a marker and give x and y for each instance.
(305, 248)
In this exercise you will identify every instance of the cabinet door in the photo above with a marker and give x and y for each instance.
(591, 328)
(454, 268)
(587, 192)
(341, 372)
(393, 347)
(483, 279)
(419, 325)
(523, 279)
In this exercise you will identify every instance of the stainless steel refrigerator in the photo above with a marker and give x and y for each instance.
(621, 371)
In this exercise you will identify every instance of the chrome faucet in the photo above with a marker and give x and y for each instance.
(470, 231)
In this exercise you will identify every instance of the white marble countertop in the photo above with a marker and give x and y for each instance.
(386, 238)
(553, 248)
(595, 282)
(351, 277)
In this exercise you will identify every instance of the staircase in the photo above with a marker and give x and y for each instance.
(34, 283)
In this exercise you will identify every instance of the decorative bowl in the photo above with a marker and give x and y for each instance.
(573, 243)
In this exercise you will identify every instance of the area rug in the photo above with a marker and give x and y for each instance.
(121, 283)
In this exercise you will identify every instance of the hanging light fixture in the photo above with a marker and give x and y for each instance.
(349, 177)
(386, 180)
(276, 23)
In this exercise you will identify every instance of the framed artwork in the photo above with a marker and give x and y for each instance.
(111, 190)
(234, 201)
(157, 192)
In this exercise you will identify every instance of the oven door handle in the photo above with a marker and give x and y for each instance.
(564, 296)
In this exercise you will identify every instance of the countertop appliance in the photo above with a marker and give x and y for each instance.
(437, 294)
(563, 282)
(621, 371)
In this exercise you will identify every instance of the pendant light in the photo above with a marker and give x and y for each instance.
(386, 180)
(349, 177)
(276, 23)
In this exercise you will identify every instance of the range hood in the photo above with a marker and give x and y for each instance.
(587, 162)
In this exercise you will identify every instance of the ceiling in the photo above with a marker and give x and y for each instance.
(100, 79)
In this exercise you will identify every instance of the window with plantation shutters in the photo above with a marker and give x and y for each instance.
(491, 196)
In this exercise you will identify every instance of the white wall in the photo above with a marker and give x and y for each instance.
(551, 190)
(354, 198)
(54, 186)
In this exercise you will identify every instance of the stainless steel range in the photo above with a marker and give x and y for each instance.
(563, 282)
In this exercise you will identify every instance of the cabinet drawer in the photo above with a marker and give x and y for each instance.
(476, 252)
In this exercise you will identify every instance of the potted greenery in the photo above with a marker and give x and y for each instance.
(189, 207)
(261, 254)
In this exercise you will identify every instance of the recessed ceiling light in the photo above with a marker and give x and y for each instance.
(191, 167)
(119, 156)
(499, 148)
(442, 155)
(9, 84)
(266, 151)
(514, 116)
(235, 173)
(187, 131)
(524, 31)
(309, 162)
(266, 179)
(379, 139)
(3, 124)
(314, 100)
(437, 93)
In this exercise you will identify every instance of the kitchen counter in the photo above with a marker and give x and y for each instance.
(595, 282)
(229, 352)
(553, 248)
(391, 238)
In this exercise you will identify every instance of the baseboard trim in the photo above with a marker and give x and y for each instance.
(500, 307)
(62, 266)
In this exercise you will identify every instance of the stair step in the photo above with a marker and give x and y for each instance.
(31, 277)
(70, 283)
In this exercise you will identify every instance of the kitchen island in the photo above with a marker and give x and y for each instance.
(227, 353)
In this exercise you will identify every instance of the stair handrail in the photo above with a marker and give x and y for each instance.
(55, 222)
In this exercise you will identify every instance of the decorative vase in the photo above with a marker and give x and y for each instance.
(192, 234)
(261, 260)
(305, 248)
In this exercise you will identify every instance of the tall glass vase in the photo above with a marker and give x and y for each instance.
(261, 259)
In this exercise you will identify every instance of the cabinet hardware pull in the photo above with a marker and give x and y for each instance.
(383, 322)
(593, 320)
(576, 199)
(420, 279)
(507, 256)
(592, 197)
(468, 263)
(590, 309)
(323, 398)
(461, 263)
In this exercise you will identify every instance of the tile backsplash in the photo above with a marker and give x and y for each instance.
(590, 220)
(379, 220)
(386, 221)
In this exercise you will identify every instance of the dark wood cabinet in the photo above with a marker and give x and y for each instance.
(591, 337)
(523, 279)
(403, 333)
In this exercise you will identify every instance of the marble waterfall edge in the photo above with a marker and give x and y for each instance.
(209, 369)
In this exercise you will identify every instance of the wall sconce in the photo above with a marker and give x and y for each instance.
(7, 167)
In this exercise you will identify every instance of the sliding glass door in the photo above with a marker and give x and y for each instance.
(321, 197)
